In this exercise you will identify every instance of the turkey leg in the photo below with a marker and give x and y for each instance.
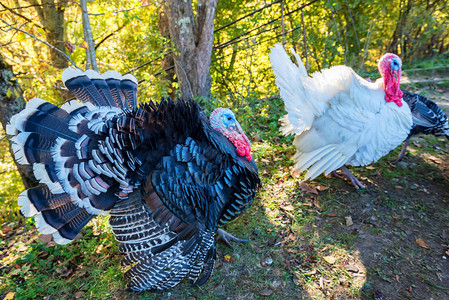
(353, 179)
(227, 238)
(401, 155)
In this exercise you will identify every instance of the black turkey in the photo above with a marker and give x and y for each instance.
(168, 175)
(428, 118)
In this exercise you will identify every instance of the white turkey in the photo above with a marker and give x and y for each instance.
(167, 174)
(339, 118)
(428, 118)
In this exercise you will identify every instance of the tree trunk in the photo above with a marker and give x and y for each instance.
(193, 39)
(51, 16)
(402, 21)
(12, 102)
(168, 60)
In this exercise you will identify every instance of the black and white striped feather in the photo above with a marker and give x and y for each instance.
(167, 179)
(428, 117)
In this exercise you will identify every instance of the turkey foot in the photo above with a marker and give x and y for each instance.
(401, 155)
(227, 238)
(353, 179)
(335, 174)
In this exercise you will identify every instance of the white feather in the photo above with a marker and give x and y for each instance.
(92, 74)
(11, 127)
(73, 122)
(71, 106)
(41, 174)
(338, 117)
(34, 103)
(130, 77)
(18, 147)
(59, 239)
(112, 74)
(27, 208)
(70, 73)
(42, 225)
(17, 121)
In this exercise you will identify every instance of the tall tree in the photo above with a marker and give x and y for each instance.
(12, 102)
(51, 16)
(193, 36)
(167, 61)
(404, 11)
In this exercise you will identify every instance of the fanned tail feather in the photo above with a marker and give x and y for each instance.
(290, 79)
(54, 213)
(322, 160)
(75, 166)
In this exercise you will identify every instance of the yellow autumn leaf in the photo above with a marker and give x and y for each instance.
(84, 45)
(228, 258)
(9, 296)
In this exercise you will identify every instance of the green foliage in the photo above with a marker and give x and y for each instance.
(355, 33)
(11, 184)
(296, 229)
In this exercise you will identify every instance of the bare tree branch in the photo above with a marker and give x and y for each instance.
(337, 29)
(353, 25)
(110, 34)
(119, 11)
(20, 15)
(88, 37)
(42, 41)
(20, 7)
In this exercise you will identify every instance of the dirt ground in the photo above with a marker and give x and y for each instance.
(390, 241)
(402, 229)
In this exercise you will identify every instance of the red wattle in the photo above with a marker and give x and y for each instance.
(392, 91)
(241, 151)
(243, 148)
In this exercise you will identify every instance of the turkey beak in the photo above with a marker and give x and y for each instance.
(239, 130)
(396, 75)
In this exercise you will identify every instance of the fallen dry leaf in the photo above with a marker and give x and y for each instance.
(349, 221)
(308, 188)
(321, 187)
(266, 292)
(435, 159)
(99, 249)
(422, 243)
(256, 138)
(295, 173)
(316, 203)
(6, 229)
(288, 207)
(228, 258)
(22, 248)
(330, 259)
(46, 238)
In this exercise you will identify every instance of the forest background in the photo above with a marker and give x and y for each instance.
(132, 37)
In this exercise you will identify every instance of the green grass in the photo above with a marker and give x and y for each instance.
(313, 253)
